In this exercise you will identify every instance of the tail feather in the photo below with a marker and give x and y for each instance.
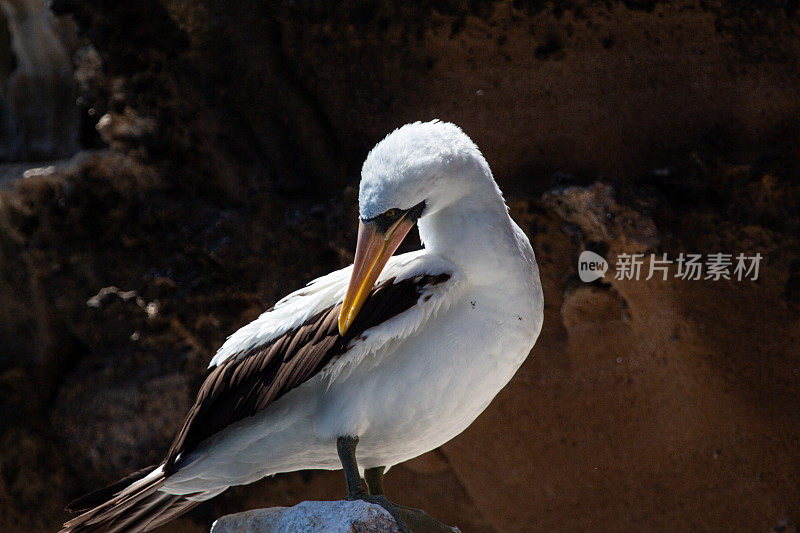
(131, 504)
(177, 506)
(98, 497)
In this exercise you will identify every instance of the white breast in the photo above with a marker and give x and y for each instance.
(436, 383)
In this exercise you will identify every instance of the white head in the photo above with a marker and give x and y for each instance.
(431, 162)
(417, 171)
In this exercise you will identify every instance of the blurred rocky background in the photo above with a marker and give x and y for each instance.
(168, 169)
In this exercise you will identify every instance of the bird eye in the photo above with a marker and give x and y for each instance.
(391, 214)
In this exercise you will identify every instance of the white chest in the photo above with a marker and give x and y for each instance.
(437, 382)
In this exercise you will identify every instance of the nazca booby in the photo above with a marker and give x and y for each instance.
(397, 354)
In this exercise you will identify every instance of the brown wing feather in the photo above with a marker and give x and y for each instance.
(136, 507)
(93, 499)
(245, 384)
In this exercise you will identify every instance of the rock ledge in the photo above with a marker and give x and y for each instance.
(307, 517)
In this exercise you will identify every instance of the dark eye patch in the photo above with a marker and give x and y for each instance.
(415, 212)
(385, 220)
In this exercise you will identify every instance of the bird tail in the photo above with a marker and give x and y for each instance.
(133, 503)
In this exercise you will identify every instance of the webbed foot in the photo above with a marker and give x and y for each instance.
(408, 519)
(392, 509)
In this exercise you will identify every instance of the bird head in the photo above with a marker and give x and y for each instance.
(416, 171)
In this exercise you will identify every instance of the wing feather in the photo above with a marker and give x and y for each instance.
(242, 384)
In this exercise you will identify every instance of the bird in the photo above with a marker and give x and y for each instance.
(368, 366)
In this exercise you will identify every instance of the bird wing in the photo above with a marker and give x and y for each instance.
(299, 338)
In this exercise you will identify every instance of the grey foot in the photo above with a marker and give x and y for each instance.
(379, 499)
(421, 522)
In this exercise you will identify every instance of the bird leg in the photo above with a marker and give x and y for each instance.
(417, 519)
(374, 479)
(346, 447)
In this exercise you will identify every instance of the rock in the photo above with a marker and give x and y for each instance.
(213, 212)
(40, 119)
(307, 517)
(602, 218)
(587, 308)
(433, 462)
(120, 129)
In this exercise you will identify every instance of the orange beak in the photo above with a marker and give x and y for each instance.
(373, 251)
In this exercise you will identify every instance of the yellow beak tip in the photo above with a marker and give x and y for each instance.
(343, 325)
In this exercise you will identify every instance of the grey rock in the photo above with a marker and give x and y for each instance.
(307, 517)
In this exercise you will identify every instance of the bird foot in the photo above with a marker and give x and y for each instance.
(421, 522)
(391, 508)
(408, 519)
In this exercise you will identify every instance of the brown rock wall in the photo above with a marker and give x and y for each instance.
(236, 131)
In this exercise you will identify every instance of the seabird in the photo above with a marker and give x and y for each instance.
(385, 360)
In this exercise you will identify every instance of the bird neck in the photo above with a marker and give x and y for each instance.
(476, 233)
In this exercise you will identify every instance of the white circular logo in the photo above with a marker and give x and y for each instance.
(591, 266)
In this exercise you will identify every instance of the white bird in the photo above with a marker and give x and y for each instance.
(395, 354)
